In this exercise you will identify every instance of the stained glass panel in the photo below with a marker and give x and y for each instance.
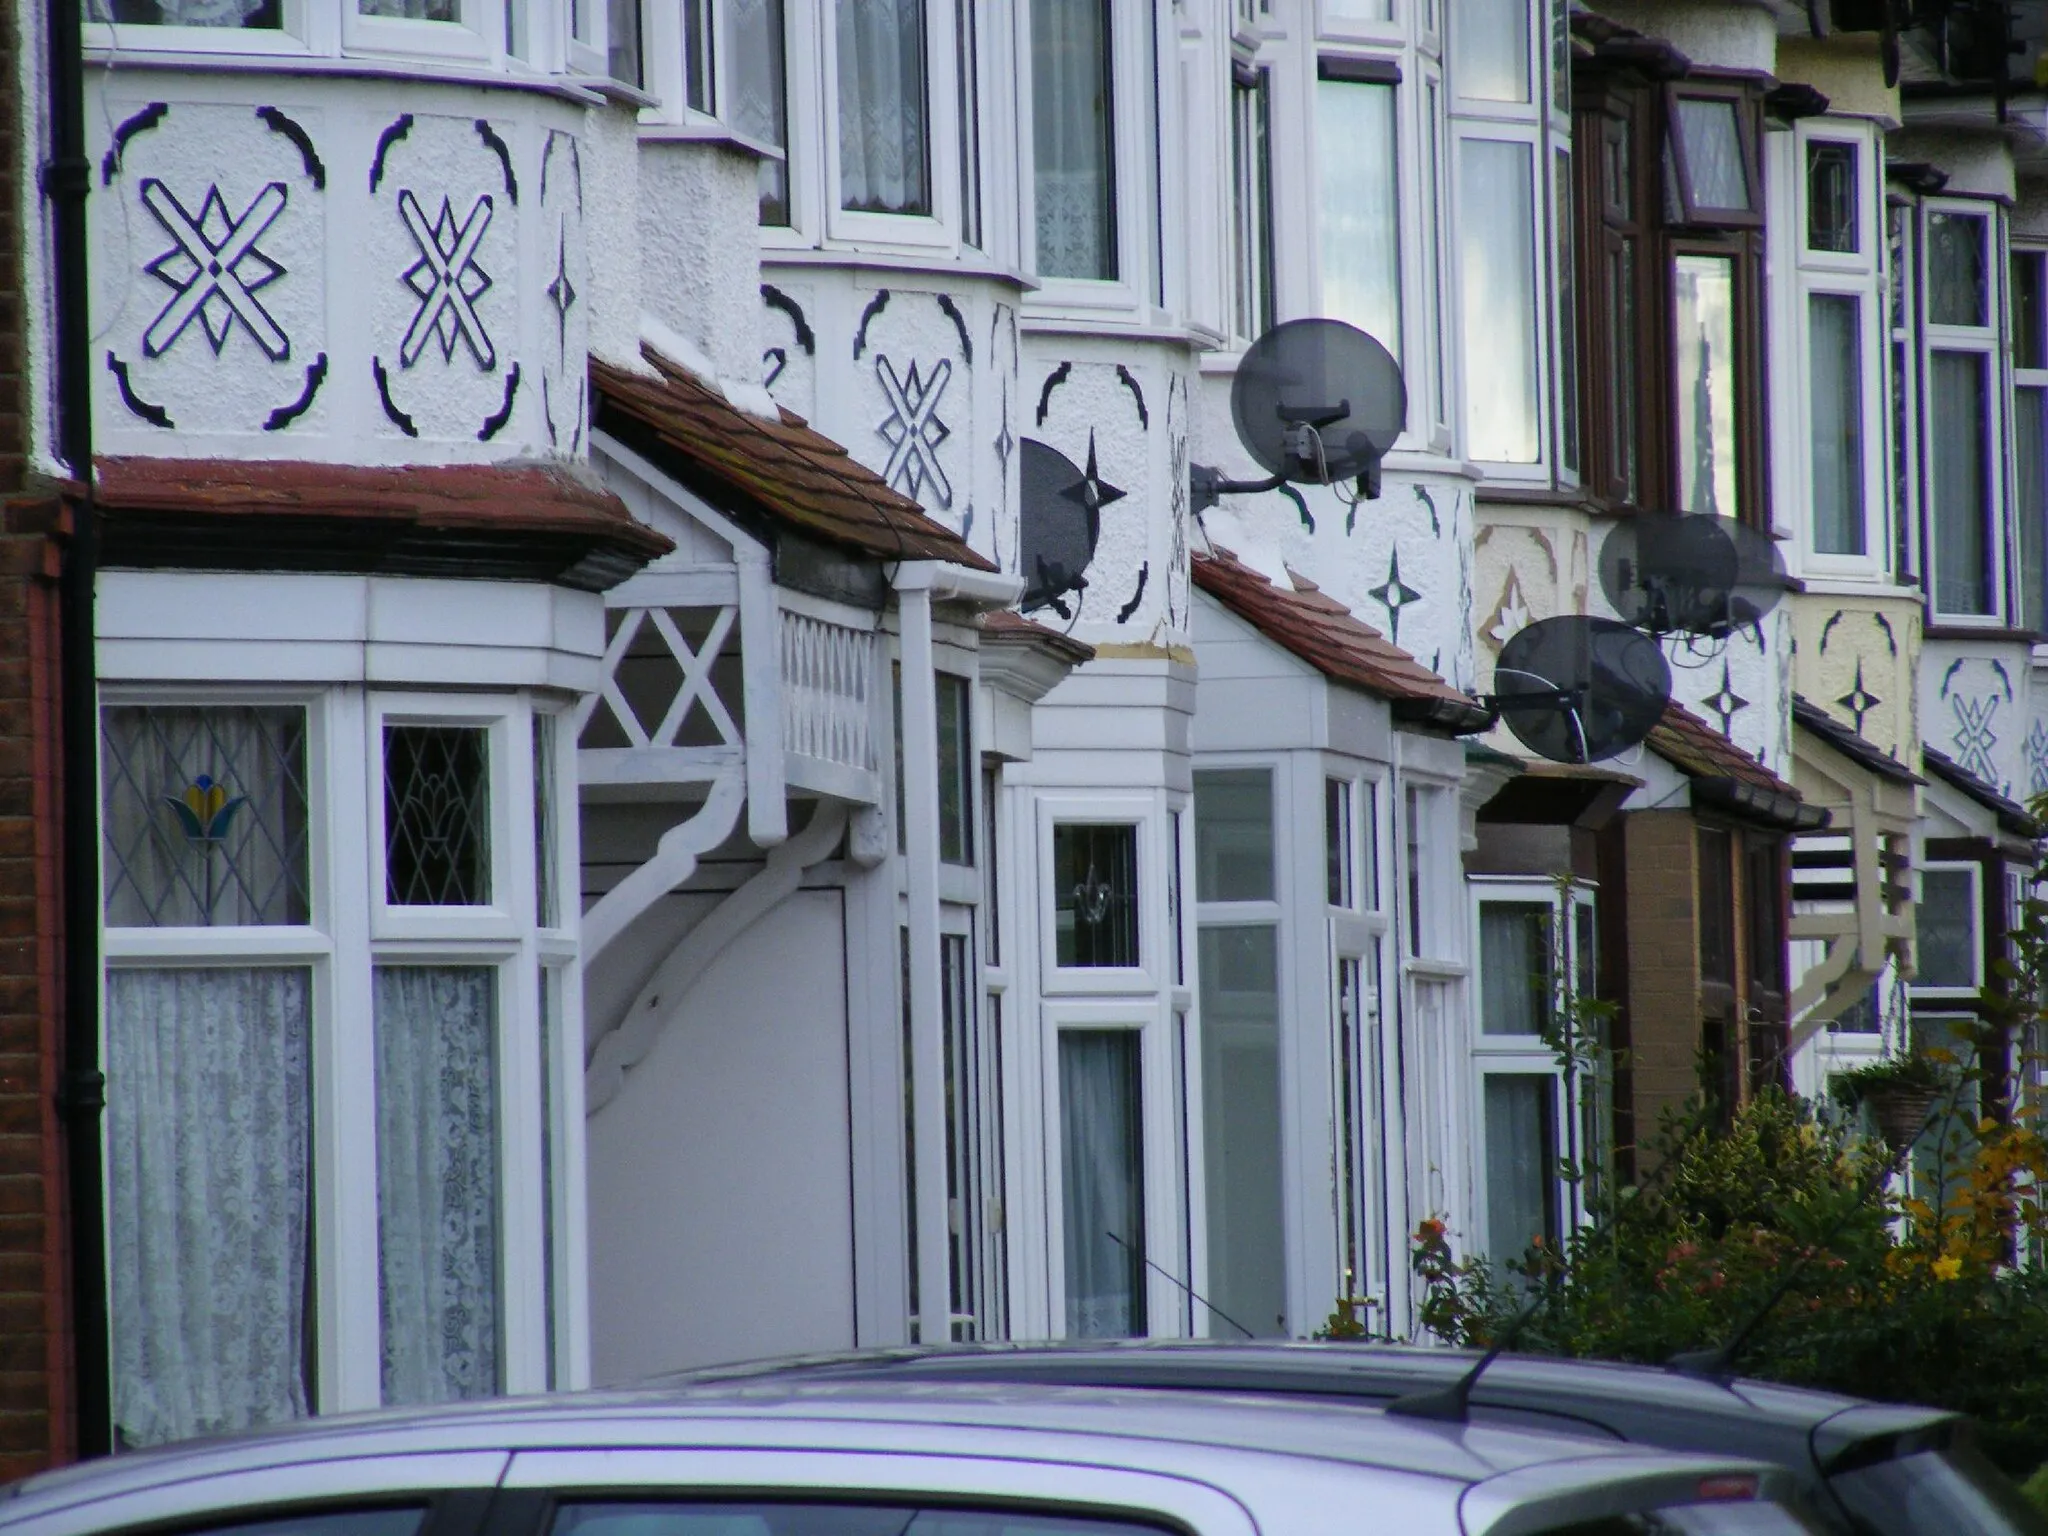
(1831, 197)
(1095, 885)
(203, 814)
(437, 816)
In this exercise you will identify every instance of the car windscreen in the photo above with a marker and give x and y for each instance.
(1950, 1489)
(1735, 1518)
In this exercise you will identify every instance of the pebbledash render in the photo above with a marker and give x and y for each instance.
(633, 831)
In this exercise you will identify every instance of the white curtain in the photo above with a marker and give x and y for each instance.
(437, 1181)
(882, 129)
(1074, 189)
(411, 10)
(209, 1181)
(1102, 1181)
(178, 13)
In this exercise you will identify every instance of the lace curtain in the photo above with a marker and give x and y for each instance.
(882, 129)
(437, 1181)
(179, 13)
(1102, 1183)
(1074, 188)
(209, 1179)
(411, 10)
(755, 92)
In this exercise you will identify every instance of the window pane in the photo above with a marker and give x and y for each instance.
(1831, 197)
(203, 815)
(550, 1145)
(1102, 1183)
(883, 164)
(1764, 898)
(1946, 929)
(1239, 972)
(412, 10)
(437, 816)
(2030, 439)
(1355, 1111)
(1095, 895)
(1360, 208)
(1490, 49)
(754, 84)
(1717, 906)
(699, 66)
(1835, 330)
(1515, 969)
(1074, 178)
(1432, 277)
(1560, 56)
(1567, 319)
(1956, 398)
(1355, 10)
(967, 65)
(2027, 281)
(1499, 247)
(325, 1522)
(1234, 835)
(187, 13)
(1252, 167)
(209, 1199)
(1704, 299)
(1955, 269)
(1521, 1166)
(437, 1181)
(1712, 136)
(1621, 363)
(965, 1196)
(547, 876)
(956, 767)
(1337, 840)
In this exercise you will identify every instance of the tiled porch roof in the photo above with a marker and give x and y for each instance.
(1329, 637)
(1001, 625)
(1727, 777)
(524, 521)
(1867, 754)
(2012, 816)
(779, 470)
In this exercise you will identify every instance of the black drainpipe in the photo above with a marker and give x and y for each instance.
(67, 177)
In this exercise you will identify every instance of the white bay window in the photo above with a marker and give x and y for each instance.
(1961, 334)
(337, 1030)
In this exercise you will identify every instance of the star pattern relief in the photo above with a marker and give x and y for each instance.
(1859, 700)
(561, 294)
(1725, 701)
(1395, 595)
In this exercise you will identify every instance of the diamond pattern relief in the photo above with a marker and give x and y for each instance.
(437, 816)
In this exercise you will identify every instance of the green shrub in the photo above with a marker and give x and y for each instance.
(2036, 1488)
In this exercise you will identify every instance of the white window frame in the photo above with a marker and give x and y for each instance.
(902, 232)
(1129, 295)
(305, 27)
(1922, 991)
(1990, 342)
(1145, 814)
(343, 742)
(2026, 604)
(470, 37)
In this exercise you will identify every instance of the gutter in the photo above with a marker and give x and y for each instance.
(65, 181)
(918, 584)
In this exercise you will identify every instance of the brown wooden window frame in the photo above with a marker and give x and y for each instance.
(1745, 110)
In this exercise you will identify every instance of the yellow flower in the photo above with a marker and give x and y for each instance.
(1947, 1267)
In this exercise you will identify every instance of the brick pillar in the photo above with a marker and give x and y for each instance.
(36, 1389)
(1663, 964)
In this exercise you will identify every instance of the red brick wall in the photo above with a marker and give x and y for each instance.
(36, 1406)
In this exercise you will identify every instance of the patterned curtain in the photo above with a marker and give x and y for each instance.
(209, 1179)
(1074, 187)
(437, 1181)
(883, 165)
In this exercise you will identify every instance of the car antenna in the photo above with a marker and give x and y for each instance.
(1176, 1279)
(1453, 1404)
(1717, 1363)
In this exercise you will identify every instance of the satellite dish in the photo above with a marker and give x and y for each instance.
(1318, 401)
(1577, 690)
(1690, 573)
(1059, 520)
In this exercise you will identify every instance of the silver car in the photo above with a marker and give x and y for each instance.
(917, 1460)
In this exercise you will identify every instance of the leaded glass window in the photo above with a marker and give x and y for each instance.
(1095, 890)
(204, 815)
(1831, 223)
(1714, 161)
(1955, 269)
(437, 814)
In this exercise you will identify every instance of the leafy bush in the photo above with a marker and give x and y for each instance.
(2036, 1488)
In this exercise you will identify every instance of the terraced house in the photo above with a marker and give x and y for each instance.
(643, 727)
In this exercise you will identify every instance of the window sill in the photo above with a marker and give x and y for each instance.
(969, 264)
(1428, 969)
(1990, 631)
(1850, 586)
(709, 133)
(348, 68)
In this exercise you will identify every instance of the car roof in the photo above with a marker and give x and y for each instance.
(1612, 1394)
(1142, 1430)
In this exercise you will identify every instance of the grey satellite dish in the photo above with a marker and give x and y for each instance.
(1690, 574)
(1578, 690)
(1315, 402)
(1059, 520)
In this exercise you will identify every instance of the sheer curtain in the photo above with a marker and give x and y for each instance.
(208, 1185)
(437, 1181)
(883, 165)
(1521, 1179)
(1075, 190)
(1102, 1183)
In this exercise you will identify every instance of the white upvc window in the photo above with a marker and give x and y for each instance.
(1511, 133)
(517, 36)
(1961, 271)
(1948, 946)
(342, 1049)
(1536, 1115)
(2029, 320)
(1830, 457)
